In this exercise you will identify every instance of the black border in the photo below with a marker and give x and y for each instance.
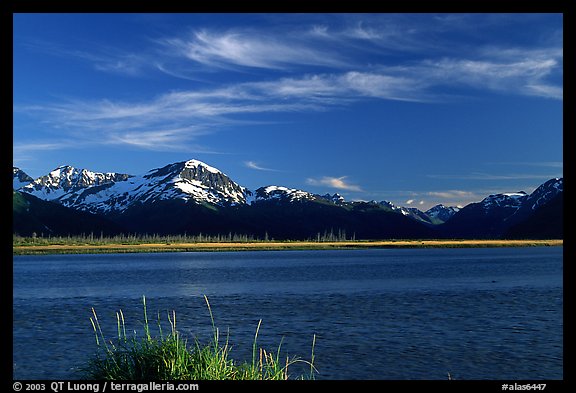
(9, 7)
(298, 6)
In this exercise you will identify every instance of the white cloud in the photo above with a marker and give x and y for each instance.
(180, 117)
(351, 47)
(25, 147)
(550, 164)
(507, 70)
(409, 201)
(452, 194)
(548, 91)
(320, 31)
(256, 166)
(339, 183)
(452, 197)
(249, 49)
(380, 85)
(206, 109)
(490, 176)
(340, 88)
(162, 139)
(364, 32)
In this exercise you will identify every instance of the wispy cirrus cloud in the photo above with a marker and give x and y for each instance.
(410, 202)
(105, 58)
(453, 194)
(183, 116)
(203, 111)
(507, 69)
(318, 67)
(249, 49)
(179, 139)
(522, 72)
(353, 68)
(457, 198)
(254, 165)
(547, 164)
(491, 176)
(340, 49)
(339, 183)
(22, 148)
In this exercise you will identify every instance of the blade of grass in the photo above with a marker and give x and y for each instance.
(146, 327)
(254, 345)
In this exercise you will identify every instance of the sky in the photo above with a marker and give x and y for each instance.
(415, 109)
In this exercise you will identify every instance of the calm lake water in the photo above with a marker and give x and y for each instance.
(481, 313)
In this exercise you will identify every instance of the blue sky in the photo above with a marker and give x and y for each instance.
(416, 109)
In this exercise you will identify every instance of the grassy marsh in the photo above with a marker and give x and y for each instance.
(25, 246)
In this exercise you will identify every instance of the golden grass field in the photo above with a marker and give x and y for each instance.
(288, 245)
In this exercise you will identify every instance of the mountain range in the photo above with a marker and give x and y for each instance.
(193, 197)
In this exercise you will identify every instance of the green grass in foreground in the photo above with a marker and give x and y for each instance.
(170, 357)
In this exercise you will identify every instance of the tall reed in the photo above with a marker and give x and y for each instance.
(170, 357)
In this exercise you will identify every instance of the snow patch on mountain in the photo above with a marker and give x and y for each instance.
(334, 198)
(281, 193)
(441, 213)
(20, 178)
(510, 200)
(66, 180)
(545, 192)
(201, 165)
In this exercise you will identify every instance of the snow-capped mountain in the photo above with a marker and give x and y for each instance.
(410, 212)
(492, 216)
(191, 196)
(393, 207)
(510, 200)
(520, 203)
(334, 198)
(282, 194)
(441, 213)
(107, 193)
(63, 182)
(285, 194)
(544, 193)
(20, 178)
(197, 181)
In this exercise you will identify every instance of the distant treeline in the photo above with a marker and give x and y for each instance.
(101, 239)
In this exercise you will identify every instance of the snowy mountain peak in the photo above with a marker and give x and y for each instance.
(191, 170)
(200, 164)
(66, 179)
(441, 212)
(545, 192)
(281, 193)
(209, 184)
(190, 180)
(85, 190)
(335, 198)
(410, 212)
(519, 194)
(509, 199)
(20, 178)
(394, 208)
(541, 195)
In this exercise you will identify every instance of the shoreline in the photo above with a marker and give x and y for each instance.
(274, 246)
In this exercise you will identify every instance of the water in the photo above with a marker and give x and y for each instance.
(377, 314)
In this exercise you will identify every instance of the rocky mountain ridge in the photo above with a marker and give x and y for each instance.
(187, 190)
